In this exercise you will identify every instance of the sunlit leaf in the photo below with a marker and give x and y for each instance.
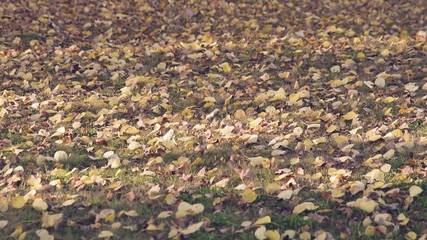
(305, 206)
(248, 195)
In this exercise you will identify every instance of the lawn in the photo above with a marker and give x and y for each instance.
(213, 119)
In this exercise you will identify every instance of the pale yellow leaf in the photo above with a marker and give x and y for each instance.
(350, 115)
(50, 220)
(40, 205)
(18, 202)
(134, 145)
(272, 235)
(105, 234)
(415, 190)
(222, 183)
(285, 195)
(164, 214)
(68, 202)
(366, 204)
(3, 223)
(294, 97)
(375, 175)
(43, 234)
(249, 195)
(263, 220)
(260, 233)
(192, 228)
(60, 156)
(305, 206)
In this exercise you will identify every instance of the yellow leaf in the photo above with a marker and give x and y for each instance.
(105, 234)
(263, 220)
(18, 202)
(389, 99)
(366, 204)
(222, 183)
(272, 235)
(397, 133)
(192, 228)
(68, 203)
(350, 115)
(356, 187)
(374, 138)
(226, 67)
(114, 163)
(411, 236)
(50, 220)
(331, 128)
(305, 236)
(296, 160)
(256, 161)
(249, 195)
(370, 231)
(339, 139)
(3, 223)
(60, 156)
(240, 114)
(17, 232)
(164, 214)
(375, 175)
(414, 191)
(279, 95)
(285, 195)
(4, 205)
(305, 206)
(185, 209)
(260, 233)
(152, 227)
(294, 97)
(134, 145)
(40, 205)
(43, 234)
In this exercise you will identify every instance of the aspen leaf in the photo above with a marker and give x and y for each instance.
(356, 187)
(272, 235)
(305, 206)
(350, 115)
(43, 234)
(380, 82)
(222, 183)
(40, 205)
(415, 190)
(18, 202)
(279, 95)
(134, 145)
(185, 209)
(294, 97)
(60, 156)
(192, 228)
(3, 223)
(263, 220)
(285, 195)
(68, 202)
(366, 204)
(50, 220)
(249, 195)
(411, 235)
(260, 233)
(375, 175)
(105, 234)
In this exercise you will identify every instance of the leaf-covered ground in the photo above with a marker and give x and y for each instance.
(213, 119)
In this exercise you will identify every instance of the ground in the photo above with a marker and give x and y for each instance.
(213, 119)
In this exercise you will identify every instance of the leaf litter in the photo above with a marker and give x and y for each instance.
(253, 119)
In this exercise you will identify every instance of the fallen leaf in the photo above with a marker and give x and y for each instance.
(305, 206)
(192, 228)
